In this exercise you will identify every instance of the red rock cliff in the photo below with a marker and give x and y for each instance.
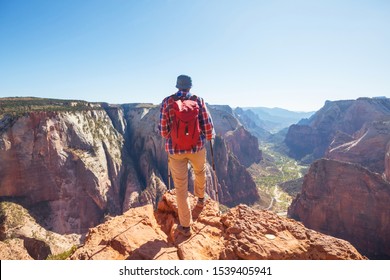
(74, 165)
(310, 141)
(347, 201)
(366, 147)
(63, 165)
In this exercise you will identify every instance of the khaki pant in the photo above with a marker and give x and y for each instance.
(179, 169)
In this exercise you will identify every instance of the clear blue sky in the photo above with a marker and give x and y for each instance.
(288, 54)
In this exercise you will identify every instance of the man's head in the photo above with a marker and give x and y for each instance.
(184, 82)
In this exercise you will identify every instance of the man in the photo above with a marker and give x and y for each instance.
(179, 157)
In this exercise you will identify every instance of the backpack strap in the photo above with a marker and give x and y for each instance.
(174, 97)
(188, 96)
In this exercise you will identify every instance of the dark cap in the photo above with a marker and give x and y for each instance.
(184, 82)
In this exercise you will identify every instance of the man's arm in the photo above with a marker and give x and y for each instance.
(164, 120)
(206, 122)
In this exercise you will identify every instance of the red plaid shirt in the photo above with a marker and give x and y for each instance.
(205, 122)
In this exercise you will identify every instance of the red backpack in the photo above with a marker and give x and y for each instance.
(185, 128)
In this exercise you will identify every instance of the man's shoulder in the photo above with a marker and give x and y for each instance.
(199, 99)
(173, 97)
(166, 99)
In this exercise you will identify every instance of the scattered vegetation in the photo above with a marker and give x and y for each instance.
(12, 215)
(18, 106)
(64, 255)
(141, 105)
(223, 208)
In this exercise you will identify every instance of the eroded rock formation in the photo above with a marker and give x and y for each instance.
(366, 147)
(22, 237)
(78, 163)
(67, 163)
(241, 233)
(310, 141)
(149, 159)
(347, 201)
(347, 194)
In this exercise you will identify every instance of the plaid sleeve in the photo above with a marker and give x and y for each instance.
(205, 121)
(164, 119)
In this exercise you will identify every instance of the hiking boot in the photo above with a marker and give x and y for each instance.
(201, 202)
(186, 231)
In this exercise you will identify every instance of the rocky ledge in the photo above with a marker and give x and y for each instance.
(240, 233)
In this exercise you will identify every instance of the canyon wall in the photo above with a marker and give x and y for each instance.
(310, 141)
(347, 201)
(65, 166)
(71, 167)
(346, 193)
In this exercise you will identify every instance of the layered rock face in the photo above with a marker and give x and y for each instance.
(239, 141)
(149, 159)
(243, 144)
(387, 163)
(234, 181)
(75, 165)
(252, 122)
(347, 201)
(310, 141)
(366, 147)
(241, 233)
(64, 165)
(347, 194)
